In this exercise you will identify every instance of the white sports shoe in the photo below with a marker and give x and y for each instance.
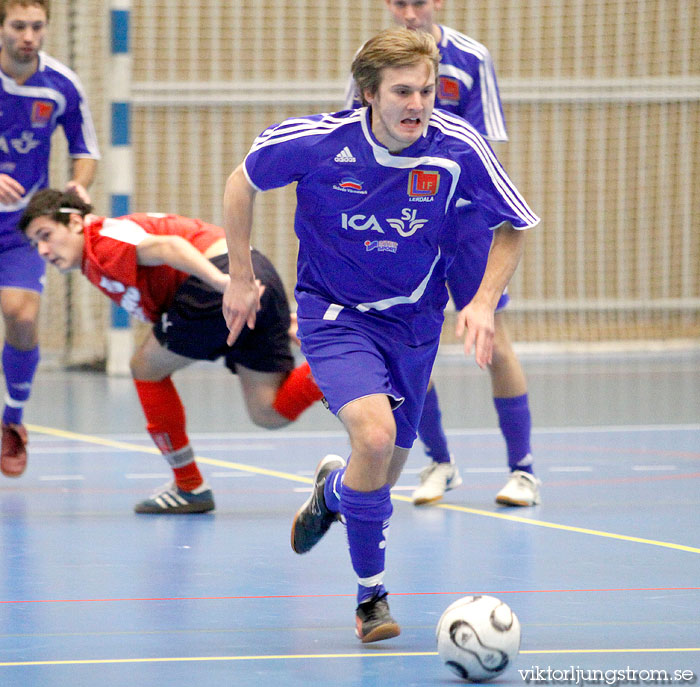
(522, 489)
(435, 480)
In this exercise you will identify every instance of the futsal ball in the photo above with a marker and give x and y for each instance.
(478, 637)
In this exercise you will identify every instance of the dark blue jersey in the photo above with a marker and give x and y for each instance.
(29, 114)
(375, 229)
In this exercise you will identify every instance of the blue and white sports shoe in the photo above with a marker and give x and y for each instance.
(170, 499)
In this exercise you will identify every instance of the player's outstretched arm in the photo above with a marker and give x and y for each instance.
(477, 318)
(180, 254)
(242, 296)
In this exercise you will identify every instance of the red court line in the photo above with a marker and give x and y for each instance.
(327, 596)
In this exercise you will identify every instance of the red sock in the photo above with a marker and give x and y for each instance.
(165, 414)
(165, 422)
(297, 393)
(188, 477)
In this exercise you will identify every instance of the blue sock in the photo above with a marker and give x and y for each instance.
(19, 367)
(515, 422)
(331, 489)
(430, 429)
(367, 519)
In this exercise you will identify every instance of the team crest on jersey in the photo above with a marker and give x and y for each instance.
(350, 185)
(381, 246)
(448, 90)
(422, 184)
(41, 112)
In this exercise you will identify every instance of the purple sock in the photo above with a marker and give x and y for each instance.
(331, 489)
(515, 422)
(367, 519)
(430, 429)
(19, 367)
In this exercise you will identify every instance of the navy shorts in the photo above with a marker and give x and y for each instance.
(21, 267)
(467, 270)
(349, 362)
(194, 325)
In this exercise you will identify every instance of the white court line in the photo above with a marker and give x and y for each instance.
(61, 478)
(653, 468)
(287, 435)
(571, 468)
(148, 475)
(63, 449)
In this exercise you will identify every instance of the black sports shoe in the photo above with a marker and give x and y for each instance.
(373, 621)
(171, 500)
(313, 519)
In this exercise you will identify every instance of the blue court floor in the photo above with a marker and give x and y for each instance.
(604, 575)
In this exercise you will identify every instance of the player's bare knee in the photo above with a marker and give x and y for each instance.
(21, 331)
(377, 441)
(140, 369)
(267, 417)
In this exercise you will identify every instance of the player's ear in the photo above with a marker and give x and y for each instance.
(75, 223)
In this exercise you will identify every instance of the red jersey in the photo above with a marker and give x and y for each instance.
(110, 260)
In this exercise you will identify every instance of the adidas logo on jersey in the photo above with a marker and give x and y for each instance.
(345, 156)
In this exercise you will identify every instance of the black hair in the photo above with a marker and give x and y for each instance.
(58, 205)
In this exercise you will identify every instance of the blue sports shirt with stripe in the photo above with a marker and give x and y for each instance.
(375, 229)
(29, 114)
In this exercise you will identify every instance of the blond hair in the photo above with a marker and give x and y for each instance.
(392, 48)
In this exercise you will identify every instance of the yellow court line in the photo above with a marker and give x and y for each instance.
(64, 434)
(282, 657)
(307, 480)
(557, 526)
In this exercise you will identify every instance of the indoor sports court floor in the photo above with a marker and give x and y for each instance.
(604, 575)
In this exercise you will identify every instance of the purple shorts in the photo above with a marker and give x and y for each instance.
(467, 270)
(21, 267)
(349, 362)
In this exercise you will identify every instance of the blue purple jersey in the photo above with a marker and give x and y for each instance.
(467, 85)
(29, 114)
(375, 229)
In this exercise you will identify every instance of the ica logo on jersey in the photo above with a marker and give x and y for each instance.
(361, 223)
(406, 225)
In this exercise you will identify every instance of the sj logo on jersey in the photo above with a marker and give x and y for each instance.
(41, 112)
(422, 183)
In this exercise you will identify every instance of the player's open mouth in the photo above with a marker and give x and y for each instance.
(411, 122)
